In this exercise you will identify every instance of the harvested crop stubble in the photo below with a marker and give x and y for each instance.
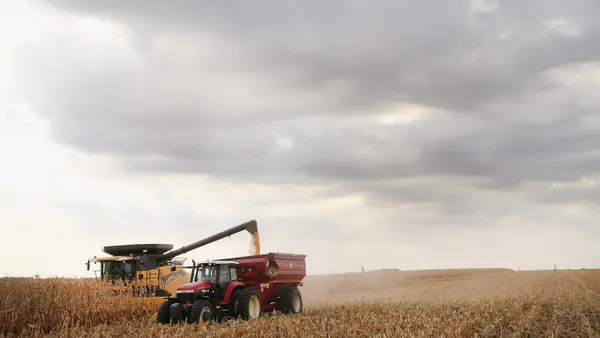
(546, 304)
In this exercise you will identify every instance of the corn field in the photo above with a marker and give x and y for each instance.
(398, 304)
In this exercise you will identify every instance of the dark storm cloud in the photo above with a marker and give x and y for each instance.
(394, 51)
(231, 79)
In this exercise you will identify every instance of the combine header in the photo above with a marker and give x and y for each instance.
(151, 270)
(241, 287)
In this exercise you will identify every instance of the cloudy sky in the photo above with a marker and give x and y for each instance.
(394, 134)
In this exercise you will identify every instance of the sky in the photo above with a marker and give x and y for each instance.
(395, 134)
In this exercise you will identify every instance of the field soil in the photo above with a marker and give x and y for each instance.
(390, 303)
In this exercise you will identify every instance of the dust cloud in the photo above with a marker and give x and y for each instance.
(422, 285)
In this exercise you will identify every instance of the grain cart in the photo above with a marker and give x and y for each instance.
(241, 287)
(150, 270)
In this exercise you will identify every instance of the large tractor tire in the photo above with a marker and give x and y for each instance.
(163, 316)
(200, 306)
(249, 304)
(290, 300)
(233, 304)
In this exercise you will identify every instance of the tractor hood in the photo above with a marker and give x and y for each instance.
(194, 287)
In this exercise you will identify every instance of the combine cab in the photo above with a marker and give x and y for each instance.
(241, 287)
(123, 267)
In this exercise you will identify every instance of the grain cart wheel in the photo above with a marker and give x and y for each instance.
(200, 306)
(249, 305)
(290, 300)
(163, 317)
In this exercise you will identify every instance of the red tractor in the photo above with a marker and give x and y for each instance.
(241, 287)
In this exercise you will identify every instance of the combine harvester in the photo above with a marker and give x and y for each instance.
(241, 287)
(150, 271)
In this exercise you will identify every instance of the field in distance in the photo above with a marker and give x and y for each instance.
(389, 303)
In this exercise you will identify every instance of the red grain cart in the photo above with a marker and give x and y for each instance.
(240, 287)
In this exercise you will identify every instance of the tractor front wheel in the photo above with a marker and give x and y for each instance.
(200, 307)
(163, 316)
(249, 304)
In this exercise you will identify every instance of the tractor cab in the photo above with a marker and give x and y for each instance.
(219, 273)
(209, 280)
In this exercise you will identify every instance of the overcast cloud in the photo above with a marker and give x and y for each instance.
(397, 134)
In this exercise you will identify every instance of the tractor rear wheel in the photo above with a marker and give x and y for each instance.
(290, 300)
(249, 304)
(234, 300)
(163, 316)
(200, 306)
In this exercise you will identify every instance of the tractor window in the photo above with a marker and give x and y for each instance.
(224, 274)
(206, 273)
(233, 274)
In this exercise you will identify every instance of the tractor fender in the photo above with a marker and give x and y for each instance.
(230, 289)
(205, 297)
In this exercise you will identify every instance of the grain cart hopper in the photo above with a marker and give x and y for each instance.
(242, 287)
(151, 270)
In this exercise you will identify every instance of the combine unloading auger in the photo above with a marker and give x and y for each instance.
(153, 261)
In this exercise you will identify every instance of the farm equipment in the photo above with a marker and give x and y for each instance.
(150, 270)
(237, 288)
